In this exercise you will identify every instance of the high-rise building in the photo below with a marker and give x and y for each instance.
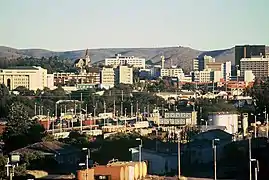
(199, 64)
(32, 77)
(258, 65)
(227, 70)
(124, 75)
(248, 51)
(107, 79)
(120, 60)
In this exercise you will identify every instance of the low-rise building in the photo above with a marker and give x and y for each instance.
(173, 72)
(33, 77)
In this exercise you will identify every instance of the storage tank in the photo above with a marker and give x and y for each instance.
(136, 169)
(82, 174)
(128, 169)
(144, 169)
(227, 119)
(116, 172)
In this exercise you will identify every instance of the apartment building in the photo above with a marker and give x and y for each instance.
(33, 77)
(72, 79)
(120, 60)
(258, 65)
(173, 72)
(206, 76)
(124, 75)
(107, 77)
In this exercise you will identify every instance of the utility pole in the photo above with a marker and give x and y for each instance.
(249, 151)
(178, 155)
(35, 109)
(48, 120)
(121, 108)
(132, 109)
(114, 107)
(104, 107)
(121, 95)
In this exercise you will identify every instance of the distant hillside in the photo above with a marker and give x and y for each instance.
(180, 56)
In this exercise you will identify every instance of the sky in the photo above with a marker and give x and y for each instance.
(61, 25)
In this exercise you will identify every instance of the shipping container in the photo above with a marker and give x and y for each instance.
(82, 174)
(116, 172)
(88, 122)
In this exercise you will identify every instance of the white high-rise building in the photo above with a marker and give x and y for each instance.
(120, 60)
(226, 70)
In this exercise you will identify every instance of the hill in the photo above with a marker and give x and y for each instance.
(180, 56)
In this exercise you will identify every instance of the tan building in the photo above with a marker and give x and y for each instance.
(32, 77)
(72, 79)
(124, 75)
(173, 72)
(258, 65)
(214, 66)
(107, 77)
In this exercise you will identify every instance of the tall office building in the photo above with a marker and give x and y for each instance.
(107, 79)
(248, 51)
(258, 65)
(199, 64)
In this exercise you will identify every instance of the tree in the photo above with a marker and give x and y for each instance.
(4, 98)
(20, 130)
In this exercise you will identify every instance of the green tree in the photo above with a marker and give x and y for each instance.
(4, 99)
(20, 130)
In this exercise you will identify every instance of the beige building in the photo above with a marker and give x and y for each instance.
(173, 72)
(32, 77)
(207, 75)
(124, 75)
(119, 60)
(107, 77)
(258, 65)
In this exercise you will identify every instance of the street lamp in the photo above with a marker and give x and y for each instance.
(214, 147)
(255, 126)
(256, 168)
(140, 148)
(206, 122)
(87, 161)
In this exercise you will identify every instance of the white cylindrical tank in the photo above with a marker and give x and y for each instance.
(227, 119)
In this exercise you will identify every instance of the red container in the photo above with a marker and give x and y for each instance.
(45, 124)
(88, 122)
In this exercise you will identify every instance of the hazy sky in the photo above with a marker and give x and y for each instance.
(80, 24)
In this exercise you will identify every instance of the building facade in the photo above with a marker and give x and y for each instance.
(32, 78)
(199, 64)
(248, 51)
(173, 72)
(72, 79)
(226, 70)
(107, 77)
(119, 60)
(124, 75)
(258, 65)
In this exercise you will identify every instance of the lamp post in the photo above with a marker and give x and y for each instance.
(255, 124)
(206, 122)
(140, 148)
(178, 155)
(87, 161)
(256, 168)
(249, 154)
(214, 147)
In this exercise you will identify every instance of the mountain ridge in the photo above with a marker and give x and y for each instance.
(179, 55)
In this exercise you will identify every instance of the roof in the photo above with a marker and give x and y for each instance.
(47, 148)
(23, 67)
(213, 134)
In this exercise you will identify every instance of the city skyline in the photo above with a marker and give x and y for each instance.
(70, 25)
